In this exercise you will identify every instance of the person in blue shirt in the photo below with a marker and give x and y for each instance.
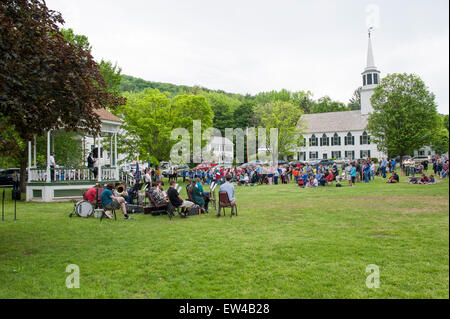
(393, 164)
(366, 173)
(228, 187)
(383, 166)
(111, 202)
(184, 175)
(353, 174)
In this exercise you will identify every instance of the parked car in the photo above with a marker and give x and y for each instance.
(283, 162)
(294, 163)
(326, 162)
(205, 166)
(7, 176)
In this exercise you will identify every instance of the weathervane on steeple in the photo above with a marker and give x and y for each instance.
(370, 31)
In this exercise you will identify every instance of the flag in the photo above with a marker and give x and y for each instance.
(137, 168)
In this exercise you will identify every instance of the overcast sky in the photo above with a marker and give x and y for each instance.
(251, 46)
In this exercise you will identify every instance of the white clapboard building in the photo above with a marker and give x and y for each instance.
(343, 135)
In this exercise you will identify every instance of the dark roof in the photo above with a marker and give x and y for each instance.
(106, 115)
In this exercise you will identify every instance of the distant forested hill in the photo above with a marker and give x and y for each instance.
(132, 84)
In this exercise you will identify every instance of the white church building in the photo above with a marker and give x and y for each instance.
(343, 135)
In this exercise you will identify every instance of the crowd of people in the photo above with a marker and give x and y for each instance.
(200, 182)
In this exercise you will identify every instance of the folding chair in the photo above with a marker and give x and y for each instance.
(224, 201)
(212, 194)
(157, 208)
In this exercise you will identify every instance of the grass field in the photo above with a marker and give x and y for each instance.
(286, 243)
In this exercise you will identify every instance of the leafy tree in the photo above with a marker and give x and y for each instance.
(445, 120)
(111, 75)
(223, 107)
(80, 41)
(150, 116)
(404, 117)
(355, 100)
(326, 104)
(45, 82)
(284, 116)
(243, 115)
(440, 141)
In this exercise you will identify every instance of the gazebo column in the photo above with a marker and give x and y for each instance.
(115, 156)
(34, 152)
(111, 151)
(99, 176)
(29, 161)
(48, 157)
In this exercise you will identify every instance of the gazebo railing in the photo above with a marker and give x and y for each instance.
(64, 174)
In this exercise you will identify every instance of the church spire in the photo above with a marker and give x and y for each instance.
(370, 59)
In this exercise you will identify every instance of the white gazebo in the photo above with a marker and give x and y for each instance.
(68, 183)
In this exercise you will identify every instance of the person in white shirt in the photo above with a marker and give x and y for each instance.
(52, 166)
(148, 178)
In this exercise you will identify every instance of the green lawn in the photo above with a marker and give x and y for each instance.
(286, 243)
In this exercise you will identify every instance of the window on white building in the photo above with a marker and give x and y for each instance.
(324, 140)
(350, 155)
(313, 141)
(349, 139)
(364, 139)
(302, 156)
(325, 156)
(336, 139)
(336, 154)
(364, 154)
(375, 78)
(313, 155)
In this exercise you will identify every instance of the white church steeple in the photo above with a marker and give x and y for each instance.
(371, 79)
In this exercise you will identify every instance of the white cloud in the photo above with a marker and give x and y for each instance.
(252, 46)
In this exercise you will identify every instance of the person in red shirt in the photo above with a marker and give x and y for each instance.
(91, 194)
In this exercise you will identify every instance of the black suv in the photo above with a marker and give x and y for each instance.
(7, 176)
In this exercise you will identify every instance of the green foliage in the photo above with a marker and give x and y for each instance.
(243, 116)
(150, 116)
(355, 100)
(67, 148)
(223, 108)
(111, 75)
(405, 116)
(445, 120)
(440, 138)
(326, 104)
(80, 41)
(285, 117)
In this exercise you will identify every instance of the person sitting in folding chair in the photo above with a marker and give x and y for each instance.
(111, 202)
(177, 201)
(228, 188)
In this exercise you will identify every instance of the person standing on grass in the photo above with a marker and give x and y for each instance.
(372, 170)
(366, 173)
(111, 202)
(353, 174)
(348, 170)
(383, 166)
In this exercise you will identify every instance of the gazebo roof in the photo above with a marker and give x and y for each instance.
(106, 115)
